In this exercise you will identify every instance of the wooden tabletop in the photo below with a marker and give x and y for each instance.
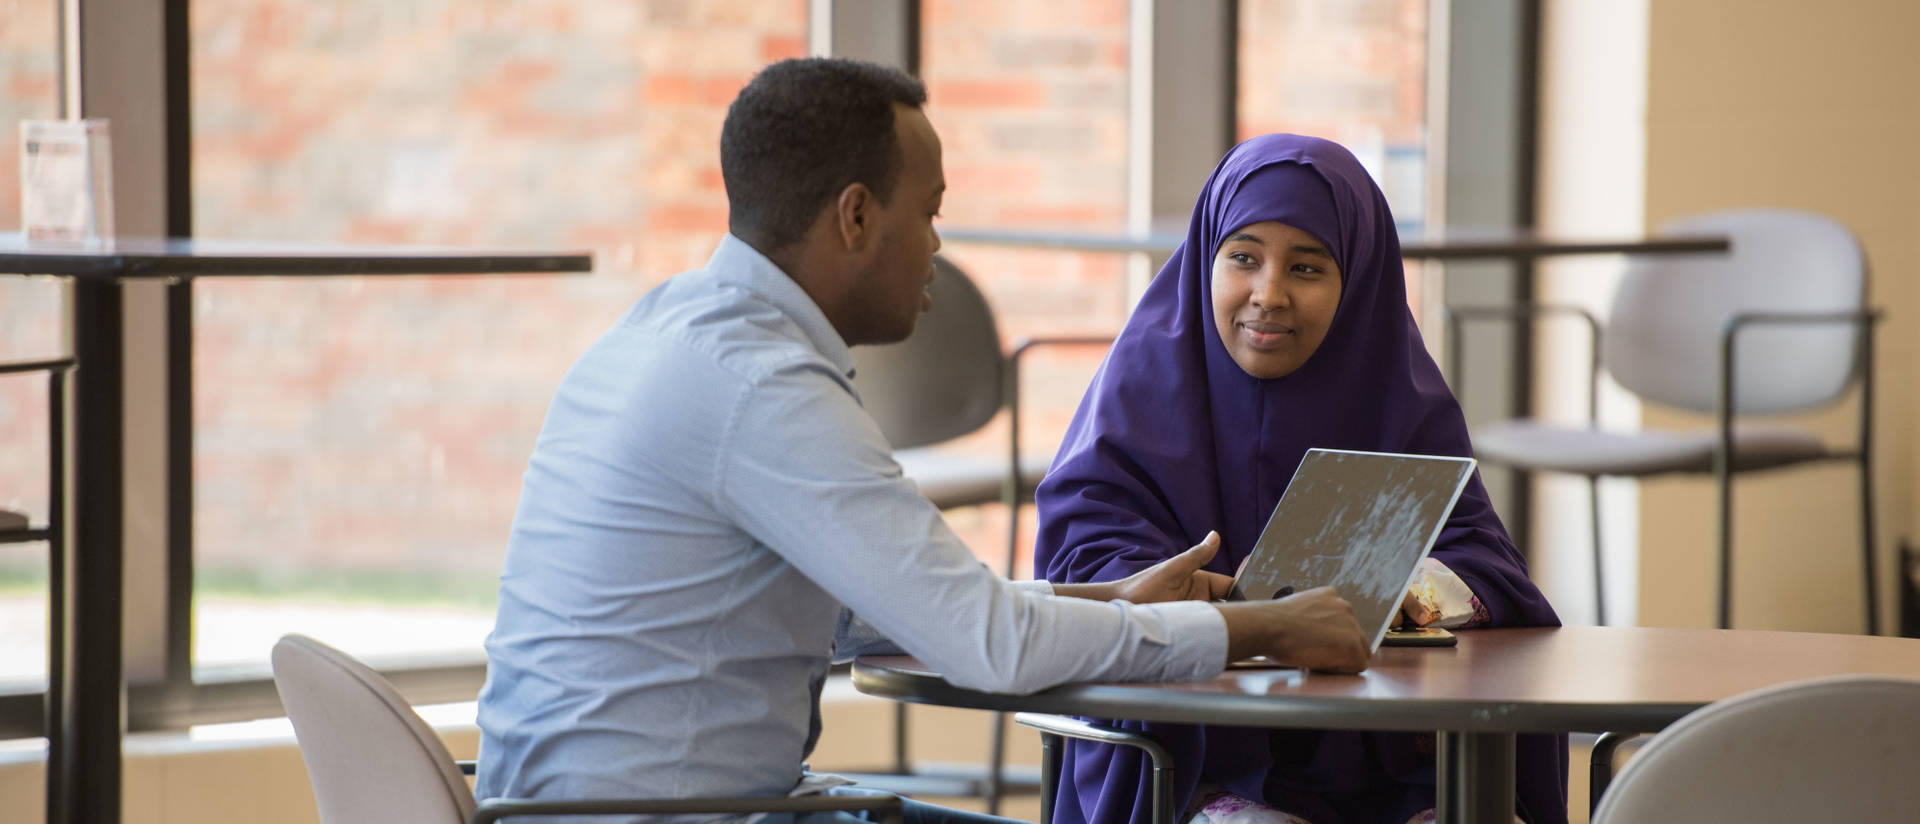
(136, 257)
(1627, 679)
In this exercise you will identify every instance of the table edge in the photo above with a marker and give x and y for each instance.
(318, 263)
(1147, 702)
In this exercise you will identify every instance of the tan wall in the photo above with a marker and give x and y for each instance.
(1789, 103)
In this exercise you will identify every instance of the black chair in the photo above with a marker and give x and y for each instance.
(18, 528)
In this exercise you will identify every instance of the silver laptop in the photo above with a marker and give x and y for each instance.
(1357, 521)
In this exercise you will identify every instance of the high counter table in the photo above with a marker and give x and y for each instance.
(1477, 696)
(86, 704)
(1450, 244)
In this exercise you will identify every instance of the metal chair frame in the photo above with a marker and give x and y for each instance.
(1055, 728)
(1864, 323)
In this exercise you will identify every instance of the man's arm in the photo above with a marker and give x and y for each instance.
(1314, 629)
(806, 472)
(1180, 578)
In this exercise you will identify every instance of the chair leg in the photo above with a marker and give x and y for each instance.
(994, 787)
(1163, 812)
(1051, 749)
(1866, 545)
(901, 763)
(1011, 493)
(1599, 579)
(1723, 479)
(1600, 766)
(1867, 534)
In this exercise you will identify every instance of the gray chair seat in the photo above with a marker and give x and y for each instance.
(11, 520)
(952, 480)
(1579, 451)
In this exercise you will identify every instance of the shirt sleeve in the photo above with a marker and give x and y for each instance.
(805, 471)
(855, 637)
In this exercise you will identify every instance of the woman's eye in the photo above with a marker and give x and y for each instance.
(1241, 258)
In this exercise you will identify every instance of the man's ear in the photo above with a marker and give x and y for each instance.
(854, 213)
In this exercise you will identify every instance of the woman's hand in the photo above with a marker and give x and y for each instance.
(1415, 609)
(1179, 578)
(1440, 598)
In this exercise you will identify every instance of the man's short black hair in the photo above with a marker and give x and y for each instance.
(802, 131)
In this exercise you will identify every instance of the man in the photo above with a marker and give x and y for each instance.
(709, 517)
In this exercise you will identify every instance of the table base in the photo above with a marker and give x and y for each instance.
(1473, 778)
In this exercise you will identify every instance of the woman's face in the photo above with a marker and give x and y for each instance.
(1275, 290)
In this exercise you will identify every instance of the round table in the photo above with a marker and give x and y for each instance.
(1476, 696)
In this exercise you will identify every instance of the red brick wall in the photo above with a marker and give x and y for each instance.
(1348, 70)
(384, 424)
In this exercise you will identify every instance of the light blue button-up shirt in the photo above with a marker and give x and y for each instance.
(706, 508)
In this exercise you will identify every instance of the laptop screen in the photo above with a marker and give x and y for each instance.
(1359, 522)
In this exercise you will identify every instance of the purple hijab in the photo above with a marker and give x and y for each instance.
(1174, 439)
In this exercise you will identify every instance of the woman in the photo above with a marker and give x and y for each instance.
(1280, 324)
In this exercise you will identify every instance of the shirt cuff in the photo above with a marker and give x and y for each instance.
(1199, 639)
(1040, 587)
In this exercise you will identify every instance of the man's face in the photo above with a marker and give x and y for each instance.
(893, 291)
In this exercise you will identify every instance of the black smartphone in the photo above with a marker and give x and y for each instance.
(1419, 637)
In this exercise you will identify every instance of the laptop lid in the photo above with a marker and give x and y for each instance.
(1359, 522)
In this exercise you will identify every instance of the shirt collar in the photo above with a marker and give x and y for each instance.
(737, 264)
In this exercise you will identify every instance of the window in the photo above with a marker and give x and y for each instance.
(1351, 71)
(359, 442)
(31, 328)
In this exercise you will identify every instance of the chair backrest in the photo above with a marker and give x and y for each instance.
(370, 757)
(1663, 334)
(944, 380)
(1826, 749)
